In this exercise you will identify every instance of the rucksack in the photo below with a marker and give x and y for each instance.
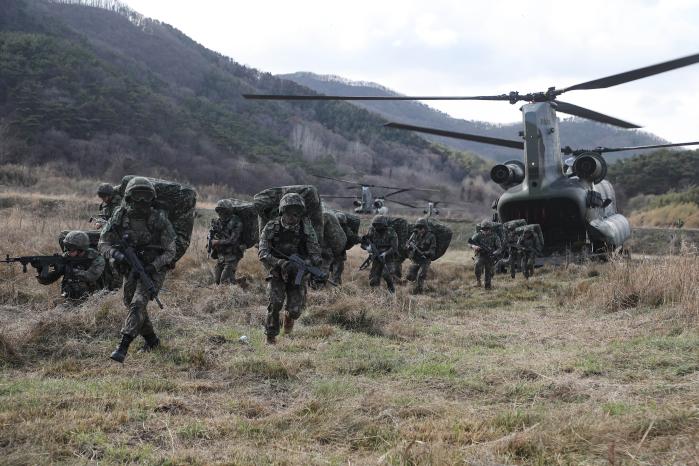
(442, 235)
(178, 201)
(267, 205)
(403, 230)
(334, 237)
(246, 211)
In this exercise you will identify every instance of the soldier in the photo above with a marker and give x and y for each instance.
(530, 247)
(337, 266)
(149, 232)
(225, 232)
(422, 247)
(282, 237)
(487, 246)
(110, 201)
(80, 279)
(382, 243)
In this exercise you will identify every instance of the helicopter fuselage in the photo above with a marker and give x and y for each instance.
(572, 212)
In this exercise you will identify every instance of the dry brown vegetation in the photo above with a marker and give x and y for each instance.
(593, 364)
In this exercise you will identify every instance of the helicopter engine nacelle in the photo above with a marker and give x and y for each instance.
(590, 166)
(508, 174)
(356, 203)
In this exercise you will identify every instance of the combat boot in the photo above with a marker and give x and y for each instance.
(391, 288)
(288, 324)
(271, 340)
(152, 342)
(119, 354)
(478, 282)
(488, 286)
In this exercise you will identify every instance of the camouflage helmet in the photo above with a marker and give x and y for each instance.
(380, 221)
(139, 183)
(224, 206)
(487, 225)
(422, 222)
(291, 200)
(77, 239)
(105, 189)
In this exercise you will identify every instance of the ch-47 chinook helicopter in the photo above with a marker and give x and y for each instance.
(366, 203)
(573, 203)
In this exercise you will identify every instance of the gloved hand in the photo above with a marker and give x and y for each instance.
(117, 255)
(150, 269)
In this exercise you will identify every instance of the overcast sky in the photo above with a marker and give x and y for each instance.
(452, 47)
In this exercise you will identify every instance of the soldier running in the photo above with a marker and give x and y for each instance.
(110, 201)
(151, 235)
(226, 231)
(337, 266)
(281, 238)
(530, 247)
(422, 247)
(381, 241)
(487, 245)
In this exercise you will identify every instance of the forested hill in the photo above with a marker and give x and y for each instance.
(575, 132)
(94, 88)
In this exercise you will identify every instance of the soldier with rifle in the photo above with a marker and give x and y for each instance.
(141, 241)
(80, 266)
(529, 247)
(487, 246)
(223, 242)
(381, 242)
(422, 247)
(110, 201)
(288, 249)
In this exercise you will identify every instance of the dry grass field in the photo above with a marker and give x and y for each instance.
(593, 364)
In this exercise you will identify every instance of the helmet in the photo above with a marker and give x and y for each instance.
(341, 217)
(487, 225)
(380, 221)
(291, 200)
(77, 240)
(139, 184)
(421, 222)
(105, 189)
(224, 206)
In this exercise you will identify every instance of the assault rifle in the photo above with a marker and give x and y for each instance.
(412, 246)
(43, 263)
(126, 253)
(302, 268)
(486, 250)
(373, 254)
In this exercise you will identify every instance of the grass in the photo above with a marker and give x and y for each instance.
(590, 364)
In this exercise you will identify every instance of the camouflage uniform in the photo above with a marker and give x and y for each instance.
(530, 248)
(384, 238)
(276, 241)
(337, 266)
(422, 247)
(486, 238)
(111, 200)
(82, 279)
(152, 236)
(227, 230)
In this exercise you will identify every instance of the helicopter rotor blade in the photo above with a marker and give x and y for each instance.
(404, 204)
(602, 150)
(633, 75)
(335, 179)
(338, 197)
(570, 109)
(465, 136)
(369, 97)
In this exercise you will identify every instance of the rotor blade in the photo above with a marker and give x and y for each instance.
(396, 192)
(369, 97)
(335, 179)
(633, 75)
(339, 197)
(571, 109)
(654, 146)
(411, 189)
(465, 136)
(400, 203)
